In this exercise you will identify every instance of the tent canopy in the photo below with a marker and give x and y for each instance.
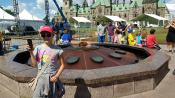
(5, 16)
(148, 17)
(115, 18)
(156, 17)
(151, 19)
(25, 15)
(7, 22)
(81, 19)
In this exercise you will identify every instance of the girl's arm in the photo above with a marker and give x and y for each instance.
(32, 57)
(59, 71)
(33, 60)
(169, 24)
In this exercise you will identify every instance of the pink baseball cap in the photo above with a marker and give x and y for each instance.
(46, 29)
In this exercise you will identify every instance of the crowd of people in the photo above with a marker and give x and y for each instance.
(49, 60)
(62, 32)
(118, 33)
(125, 34)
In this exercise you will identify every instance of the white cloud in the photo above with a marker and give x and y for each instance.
(22, 6)
(52, 6)
(171, 7)
(170, 1)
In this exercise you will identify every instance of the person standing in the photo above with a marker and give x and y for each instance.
(101, 33)
(170, 38)
(48, 58)
(110, 29)
(56, 30)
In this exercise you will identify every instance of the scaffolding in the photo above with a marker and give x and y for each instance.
(47, 12)
(16, 13)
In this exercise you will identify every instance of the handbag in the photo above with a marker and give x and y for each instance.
(32, 84)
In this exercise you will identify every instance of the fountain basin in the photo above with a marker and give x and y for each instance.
(99, 82)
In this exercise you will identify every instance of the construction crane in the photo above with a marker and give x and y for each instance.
(60, 10)
(47, 11)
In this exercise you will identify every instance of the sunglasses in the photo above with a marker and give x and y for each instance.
(46, 35)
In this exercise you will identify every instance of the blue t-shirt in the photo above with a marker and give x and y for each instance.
(66, 37)
(138, 38)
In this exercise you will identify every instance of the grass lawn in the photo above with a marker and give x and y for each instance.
(89, 34)
(160, 34)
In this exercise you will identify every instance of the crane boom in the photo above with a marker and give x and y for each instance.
(61, 12)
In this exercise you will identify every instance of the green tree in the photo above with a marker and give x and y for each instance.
(9, 12)
(71, 20)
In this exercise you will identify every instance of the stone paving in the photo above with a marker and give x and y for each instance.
(166, 88)
(5, 93)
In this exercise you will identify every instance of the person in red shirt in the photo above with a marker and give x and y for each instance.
(151, 40)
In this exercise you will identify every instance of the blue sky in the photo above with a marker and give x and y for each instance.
(36, 7)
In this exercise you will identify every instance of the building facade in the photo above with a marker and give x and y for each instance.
(125, 9)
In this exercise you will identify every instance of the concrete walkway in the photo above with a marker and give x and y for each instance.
(166, 88)
(5, 93)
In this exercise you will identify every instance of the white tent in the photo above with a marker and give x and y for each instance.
(5, 19)
(25, 15)
(115, 18)
(160, 22)
(5, 16)
(156, 17)
(150, 20)
(81, 19)
(83, 22)
(26, 19)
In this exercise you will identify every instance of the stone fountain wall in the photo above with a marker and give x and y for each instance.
(110, 82)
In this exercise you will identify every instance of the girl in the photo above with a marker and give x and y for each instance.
(47, 56)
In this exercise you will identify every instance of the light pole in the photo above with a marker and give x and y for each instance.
(77, 8)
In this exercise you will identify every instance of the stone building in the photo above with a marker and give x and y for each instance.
(126, 9)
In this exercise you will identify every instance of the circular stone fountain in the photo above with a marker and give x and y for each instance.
(93, 70)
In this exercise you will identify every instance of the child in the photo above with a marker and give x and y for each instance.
(151, 40)
(66, 37)
(47, 57)
(131, 39)
(143, 35)
(138, 40)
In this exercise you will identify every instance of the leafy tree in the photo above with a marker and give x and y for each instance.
(71, 20)
(9, 12)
